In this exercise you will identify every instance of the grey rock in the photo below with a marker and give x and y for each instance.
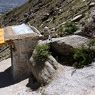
(78, 32)
(66, 45)
(72, 81)
(77, 18)
(92, 4)
(44, 72)
(89, 28)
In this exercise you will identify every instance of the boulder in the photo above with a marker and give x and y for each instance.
(66, 45)
(89, 28)
(44, 72)
(72, 81)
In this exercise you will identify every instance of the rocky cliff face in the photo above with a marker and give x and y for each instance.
(51, 13)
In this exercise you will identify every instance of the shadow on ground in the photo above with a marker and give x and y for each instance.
(6, 78)
(33, 83)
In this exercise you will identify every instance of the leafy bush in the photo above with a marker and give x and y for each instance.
(83, 56)
(60, 31)
(42, 53)
(69, 28)
(92, 42)
(29, 1)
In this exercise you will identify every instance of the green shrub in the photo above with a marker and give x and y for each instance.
(42, 53)
(83, 56)
(67, 29)
(29, 1)
(70, 27)
(92, 42)
(60, 31)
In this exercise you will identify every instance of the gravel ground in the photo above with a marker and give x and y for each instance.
(7, 87)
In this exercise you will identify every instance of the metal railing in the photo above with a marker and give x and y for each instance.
(2, 50)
